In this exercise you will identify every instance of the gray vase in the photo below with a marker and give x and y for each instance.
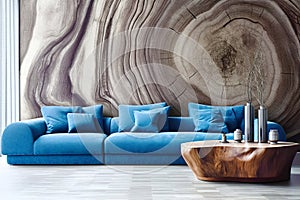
(262, 125)
(249, 122)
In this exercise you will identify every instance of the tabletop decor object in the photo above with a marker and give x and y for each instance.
(262, 124)
(249, 122)
(273, 136)
(237, 135)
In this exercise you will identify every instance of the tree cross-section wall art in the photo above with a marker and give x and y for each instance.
(84, 52)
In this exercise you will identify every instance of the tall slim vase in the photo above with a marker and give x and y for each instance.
(262, 125)
(249, 122)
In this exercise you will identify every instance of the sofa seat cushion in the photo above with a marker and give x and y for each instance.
(66, 143)
(154, 143)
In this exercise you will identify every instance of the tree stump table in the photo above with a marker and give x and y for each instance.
(241, 162)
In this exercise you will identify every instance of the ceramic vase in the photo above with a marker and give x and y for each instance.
(262, 125)
(249, 122)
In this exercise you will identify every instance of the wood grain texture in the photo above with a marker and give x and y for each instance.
(215, 161)
(83, 52)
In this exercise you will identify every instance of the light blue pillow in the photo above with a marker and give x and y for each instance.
(56, 117)
(126, 114)
(150, 120)
(83, 123)
(232, 115)
(209, 120)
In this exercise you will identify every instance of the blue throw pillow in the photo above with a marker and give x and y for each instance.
(83, 123)
(209, 120)
(126, 115)
(232, 115)
(97, 111)
(56, 117)
(150, 120)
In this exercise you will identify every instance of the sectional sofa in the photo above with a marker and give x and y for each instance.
(141, 134)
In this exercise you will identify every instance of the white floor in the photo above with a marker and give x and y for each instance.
(130, 182)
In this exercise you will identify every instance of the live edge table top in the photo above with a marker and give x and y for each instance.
(215, 143)
(212, 160)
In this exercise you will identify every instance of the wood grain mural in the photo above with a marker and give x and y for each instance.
(84, 52)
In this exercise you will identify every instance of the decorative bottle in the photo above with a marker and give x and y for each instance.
(249, 122)
(262, 124)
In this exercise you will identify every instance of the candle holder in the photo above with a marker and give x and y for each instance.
(224, 138)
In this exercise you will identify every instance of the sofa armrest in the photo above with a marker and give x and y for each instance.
(18, 137)
(270, 125)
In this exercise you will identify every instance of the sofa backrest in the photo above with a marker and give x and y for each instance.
(184, 124)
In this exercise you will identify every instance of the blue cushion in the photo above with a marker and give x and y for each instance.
(114, 125)
(97, 111)
(126, 114)
(175, 124)
(209, 120)
(56, 117)
(232, 115)
(164, 143)
(150, 120)
(83, 123)
(68, 144)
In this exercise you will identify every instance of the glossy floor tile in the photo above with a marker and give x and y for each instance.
(130, 182)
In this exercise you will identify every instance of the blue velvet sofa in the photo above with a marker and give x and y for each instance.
(27, 142)
(141, 134)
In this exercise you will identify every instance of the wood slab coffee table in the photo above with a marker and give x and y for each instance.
(252, 162)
